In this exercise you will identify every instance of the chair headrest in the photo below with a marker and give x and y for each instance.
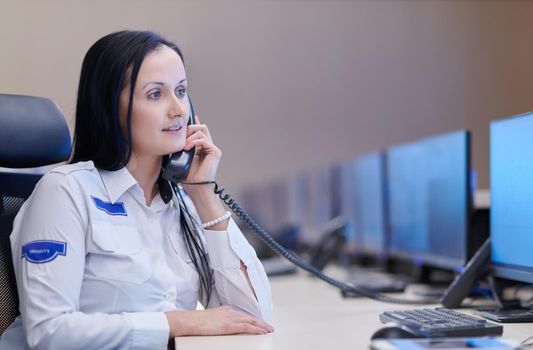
(33, 132)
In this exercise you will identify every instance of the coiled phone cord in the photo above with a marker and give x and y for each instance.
(296, 260)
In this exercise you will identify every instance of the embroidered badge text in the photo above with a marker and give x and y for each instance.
(39, 252)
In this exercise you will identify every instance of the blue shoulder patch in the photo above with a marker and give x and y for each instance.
(39, 252)
(117, 208)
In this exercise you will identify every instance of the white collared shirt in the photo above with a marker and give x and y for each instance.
(97, 268)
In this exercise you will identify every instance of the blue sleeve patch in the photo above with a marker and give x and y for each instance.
(117, 208)
(39, 252)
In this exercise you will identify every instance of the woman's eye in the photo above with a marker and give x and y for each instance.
(154, 94)
(181, 92)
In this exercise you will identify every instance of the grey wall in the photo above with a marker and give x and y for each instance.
(293, 85)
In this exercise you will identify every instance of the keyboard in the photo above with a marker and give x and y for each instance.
(442, 322)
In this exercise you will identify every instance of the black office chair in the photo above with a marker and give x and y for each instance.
(33, 133)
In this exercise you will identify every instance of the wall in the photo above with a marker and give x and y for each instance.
(293, 85)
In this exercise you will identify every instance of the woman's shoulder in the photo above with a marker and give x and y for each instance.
(62, 187)
(81, 173)
(68, 169)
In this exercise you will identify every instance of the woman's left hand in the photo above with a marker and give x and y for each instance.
(207, 154)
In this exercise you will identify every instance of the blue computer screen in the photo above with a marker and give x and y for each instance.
(370, 203)
(343, 201)
(511, 172)
(428, 198)
(316, 199)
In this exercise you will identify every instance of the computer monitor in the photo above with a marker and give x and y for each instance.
(371, 205)
(511, 185)
(343, 201)
(280, 204)
(315, 194)
(430, 199)
(511, 223)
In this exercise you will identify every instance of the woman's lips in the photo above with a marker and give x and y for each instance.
(173, 129)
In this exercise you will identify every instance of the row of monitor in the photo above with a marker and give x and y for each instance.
(414, 201)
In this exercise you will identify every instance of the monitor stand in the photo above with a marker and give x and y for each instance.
(508, 311)
(461, 287)
(430, 282)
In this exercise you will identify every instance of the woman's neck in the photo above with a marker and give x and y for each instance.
(145, 169)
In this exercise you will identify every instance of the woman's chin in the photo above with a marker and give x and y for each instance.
(175, 149)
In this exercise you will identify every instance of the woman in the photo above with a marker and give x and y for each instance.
(107, 254)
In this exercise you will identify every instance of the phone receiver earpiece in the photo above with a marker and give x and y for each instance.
(180, 162)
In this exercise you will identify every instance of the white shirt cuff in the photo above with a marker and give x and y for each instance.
(149, 330)
(227, 248)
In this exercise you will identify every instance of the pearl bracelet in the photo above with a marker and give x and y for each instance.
(224, 217)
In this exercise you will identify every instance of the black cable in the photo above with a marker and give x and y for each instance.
(296, 260)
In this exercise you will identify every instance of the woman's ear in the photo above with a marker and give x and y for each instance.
(123, 104)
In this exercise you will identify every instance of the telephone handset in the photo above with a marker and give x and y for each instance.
(177, 167)
(179, 163)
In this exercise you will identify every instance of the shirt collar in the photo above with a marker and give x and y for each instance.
(119, 181)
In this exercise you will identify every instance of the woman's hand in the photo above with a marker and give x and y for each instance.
(222, 320)
(203, 168)
(207, 156)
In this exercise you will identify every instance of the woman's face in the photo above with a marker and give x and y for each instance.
(160, 105)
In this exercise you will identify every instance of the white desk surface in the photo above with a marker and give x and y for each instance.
(309, 314)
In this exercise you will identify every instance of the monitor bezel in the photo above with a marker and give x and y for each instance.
(513, 272)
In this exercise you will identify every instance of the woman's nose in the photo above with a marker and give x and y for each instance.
(178, 108)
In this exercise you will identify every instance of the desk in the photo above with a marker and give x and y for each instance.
(310, 314)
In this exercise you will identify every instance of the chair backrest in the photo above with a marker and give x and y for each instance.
(33, 133)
